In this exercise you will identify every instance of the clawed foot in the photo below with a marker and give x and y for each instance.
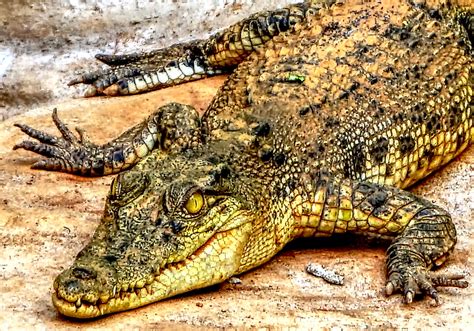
(125, 76)
(143, 72)
(418, 281)
(111, 81)
(67, 153)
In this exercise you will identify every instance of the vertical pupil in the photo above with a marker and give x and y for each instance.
(196, 200)
(194, 203)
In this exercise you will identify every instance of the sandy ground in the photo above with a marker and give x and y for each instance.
(44, 43)
(46, 218)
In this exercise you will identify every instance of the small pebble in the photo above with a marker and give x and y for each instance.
(328, 275)
(234, 281)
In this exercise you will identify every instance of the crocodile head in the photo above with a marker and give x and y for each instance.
(170, 226)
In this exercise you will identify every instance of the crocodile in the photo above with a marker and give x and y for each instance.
(330, 111)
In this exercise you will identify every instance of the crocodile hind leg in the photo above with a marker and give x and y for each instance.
(422, 233)
(172, 127)
(142, 72)
(423, 244)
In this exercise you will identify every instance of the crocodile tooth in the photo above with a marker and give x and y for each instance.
(150, 279)
(148, 289)
(78, 303)
(140, 284)
(112, 302)
(132, 296)
(104, 298)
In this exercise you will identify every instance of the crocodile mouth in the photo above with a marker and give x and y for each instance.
(118, 300)
(212, 263)
(122, 300)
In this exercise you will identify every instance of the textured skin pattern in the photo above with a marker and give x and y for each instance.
(142, 72)
(316, 133)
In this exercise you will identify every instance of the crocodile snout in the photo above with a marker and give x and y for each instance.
(86, 283)
(84, 273)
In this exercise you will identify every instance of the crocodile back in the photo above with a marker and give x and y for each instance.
(378, 91)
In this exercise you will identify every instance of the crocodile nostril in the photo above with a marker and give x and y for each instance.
(72, 286)
(83, 273)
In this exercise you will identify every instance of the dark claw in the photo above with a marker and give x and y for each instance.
(65, 132)
(409, 296)
(39, 165)
(389, 288)
(116, 60)
(104, 81)
(111, 60)
(88, 78)
(422, 282)
(36, 134)
(83, 137)
(434, 294)
(105, 58)
(75, 81)
(42, 149)
(449, 280)
(67, 153)
(426, 286)
(49, 164)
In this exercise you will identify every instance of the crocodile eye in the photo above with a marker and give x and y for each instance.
(194, 203)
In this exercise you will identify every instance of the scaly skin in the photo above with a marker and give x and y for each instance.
(315, 134)
(143, 72)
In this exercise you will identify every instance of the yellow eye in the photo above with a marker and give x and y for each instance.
(195, 203)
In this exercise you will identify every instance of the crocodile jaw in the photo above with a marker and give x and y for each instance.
(217, 260)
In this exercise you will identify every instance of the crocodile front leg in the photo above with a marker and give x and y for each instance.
(142, 72)
(171, 127)
(422, 234)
